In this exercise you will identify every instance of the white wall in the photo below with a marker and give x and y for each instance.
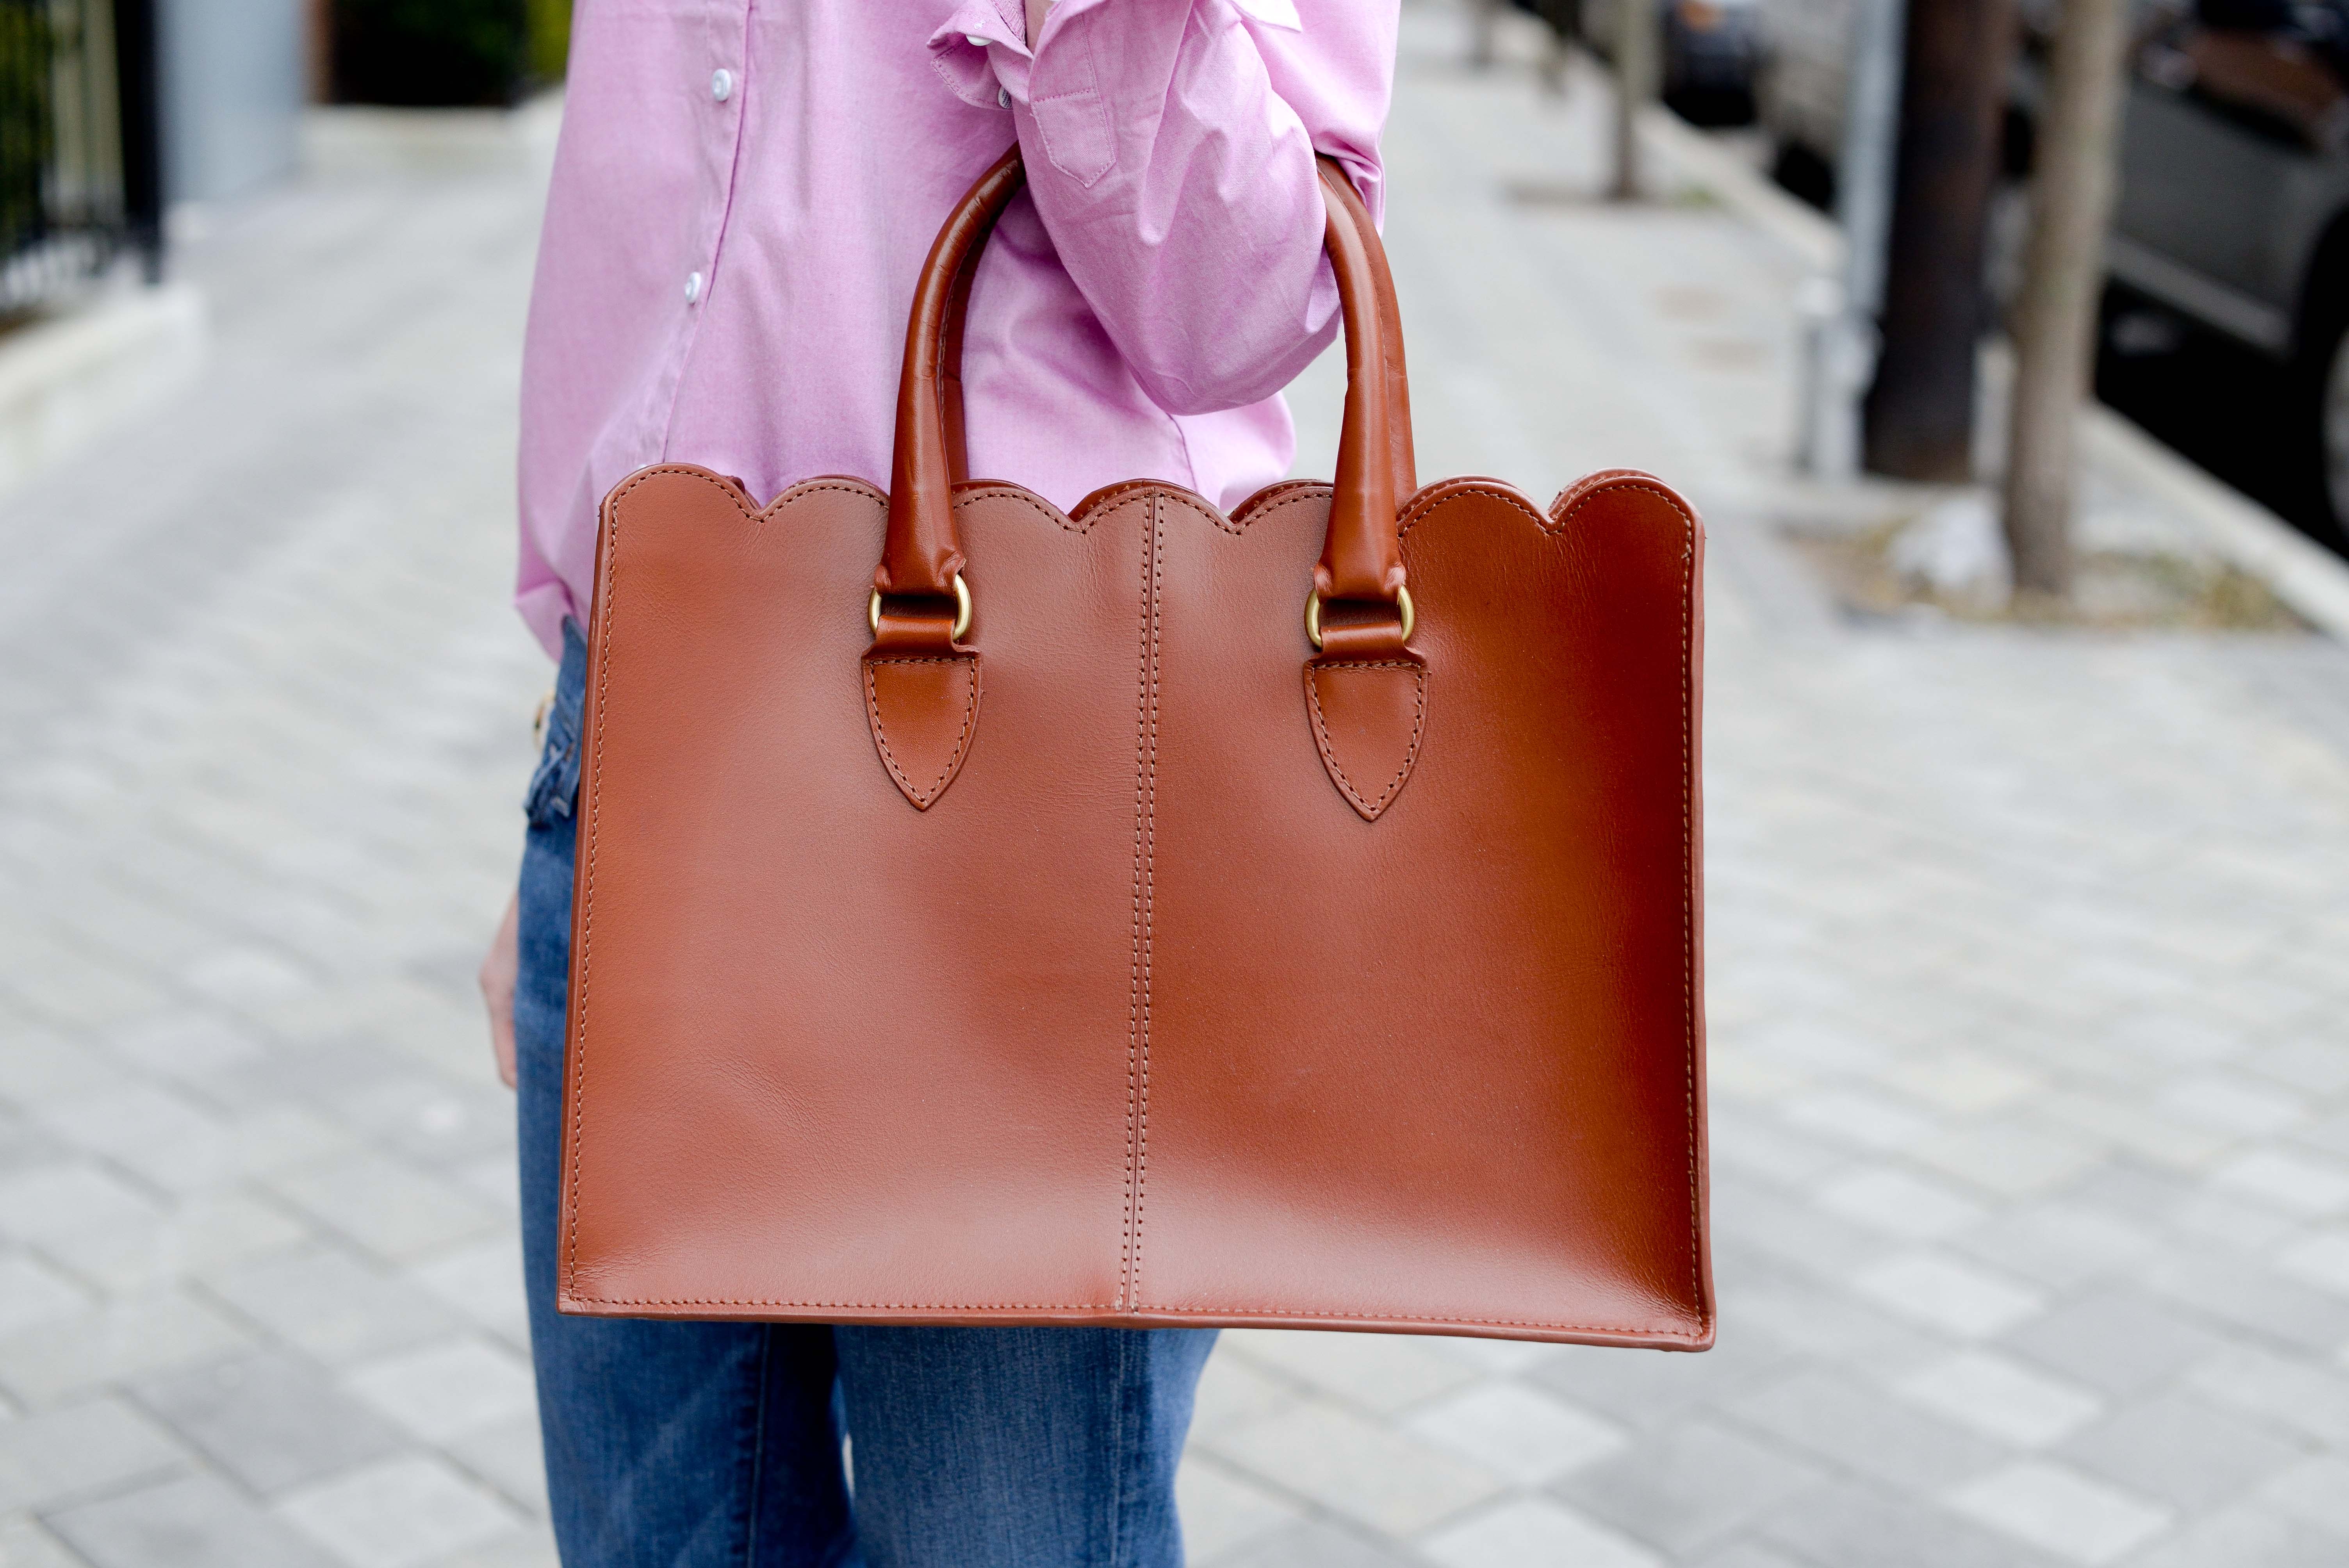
(234, 80)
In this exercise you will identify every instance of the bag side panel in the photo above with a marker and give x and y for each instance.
(1439, 1070)
(832, 1057)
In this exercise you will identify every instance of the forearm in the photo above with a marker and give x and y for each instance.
(1170, 149)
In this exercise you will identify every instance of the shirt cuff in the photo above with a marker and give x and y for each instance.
(1281, 13)
(982, 49)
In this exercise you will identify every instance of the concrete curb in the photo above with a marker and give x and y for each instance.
(1697, 160)
(2302, 574)
(65, 381)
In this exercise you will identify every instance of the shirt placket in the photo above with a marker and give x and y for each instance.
(720, 88)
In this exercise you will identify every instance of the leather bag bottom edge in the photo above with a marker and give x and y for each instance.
(1698, 1338)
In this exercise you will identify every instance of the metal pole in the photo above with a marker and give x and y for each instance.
(1637, 52)
(1484, 26)
(1864, 177)
(1841, 330)
(137, 77)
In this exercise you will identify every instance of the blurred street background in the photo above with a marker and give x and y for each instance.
(2027, 917)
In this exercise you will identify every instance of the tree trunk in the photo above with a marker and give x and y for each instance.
(2063, 273)
(1920, 410)
(1637, 52)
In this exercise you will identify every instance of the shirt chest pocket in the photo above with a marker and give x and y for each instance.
(1071, 113)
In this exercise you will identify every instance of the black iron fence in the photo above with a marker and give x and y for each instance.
(80, 182)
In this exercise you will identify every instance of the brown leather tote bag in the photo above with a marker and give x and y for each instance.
(1142, 915)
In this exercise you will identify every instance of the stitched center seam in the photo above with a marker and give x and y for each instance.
(1137, 1017)
(1149, 884)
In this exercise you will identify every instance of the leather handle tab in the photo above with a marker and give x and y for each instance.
(922, 555)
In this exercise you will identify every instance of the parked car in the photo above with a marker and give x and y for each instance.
(1711, 51)
(2233, 206)
(1799, 87)
(2234, 194)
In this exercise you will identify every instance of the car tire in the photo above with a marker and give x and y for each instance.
(2332, 366)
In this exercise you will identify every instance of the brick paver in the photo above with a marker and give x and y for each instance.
(2031, 1092)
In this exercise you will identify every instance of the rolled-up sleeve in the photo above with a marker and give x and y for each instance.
(1170, 149)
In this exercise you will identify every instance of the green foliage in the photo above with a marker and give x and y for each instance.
(431, 51)
(550, 38)
(26, 135)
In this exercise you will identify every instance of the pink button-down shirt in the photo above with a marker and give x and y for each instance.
(745, 189)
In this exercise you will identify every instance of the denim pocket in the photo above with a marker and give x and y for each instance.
(554, 786)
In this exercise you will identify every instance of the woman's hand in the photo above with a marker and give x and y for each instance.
(498, 971)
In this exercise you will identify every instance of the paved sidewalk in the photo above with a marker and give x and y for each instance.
(2030, 1083)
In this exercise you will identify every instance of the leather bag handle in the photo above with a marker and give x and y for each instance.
(1339, 188)
(1361, 556)
(921, 555)
(1333, 177)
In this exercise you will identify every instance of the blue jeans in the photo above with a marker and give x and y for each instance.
(693, 1445)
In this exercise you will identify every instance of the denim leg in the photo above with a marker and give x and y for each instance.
(669, 1445)
(1018, 1447)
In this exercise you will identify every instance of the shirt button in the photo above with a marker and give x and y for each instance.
(692, 288)
(721, 85)
(1003, 97)
(974, 40)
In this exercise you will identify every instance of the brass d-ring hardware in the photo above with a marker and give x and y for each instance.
(1313, 615)
(962, 611)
